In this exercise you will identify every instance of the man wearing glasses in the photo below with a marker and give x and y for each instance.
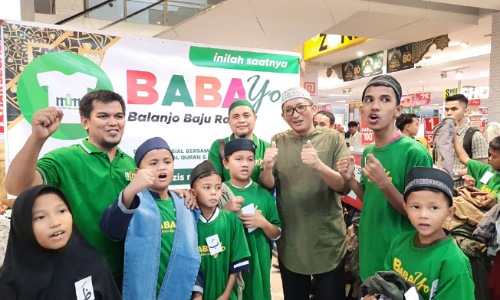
(300, 163)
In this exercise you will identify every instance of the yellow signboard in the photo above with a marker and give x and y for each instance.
(450, 92)
(323, 43)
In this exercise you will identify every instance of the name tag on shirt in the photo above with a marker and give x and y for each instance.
(213, 244)
(411, 294)
(486, 177)
(84, 289)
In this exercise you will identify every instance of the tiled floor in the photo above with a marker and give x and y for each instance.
(276, 289)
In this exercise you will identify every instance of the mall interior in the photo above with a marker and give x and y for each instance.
(433, 47)
(452, 44)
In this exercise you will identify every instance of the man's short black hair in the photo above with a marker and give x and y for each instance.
(403, 120)
(328, 114)
(353, 124)
(458, 97)
(104, 96)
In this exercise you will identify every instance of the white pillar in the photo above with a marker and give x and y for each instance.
(494, 98)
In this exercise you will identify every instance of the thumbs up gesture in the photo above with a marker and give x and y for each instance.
(270, 156)
(309, 156)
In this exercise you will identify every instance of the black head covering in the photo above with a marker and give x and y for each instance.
(420, 178)
(238, 145)
(203, 168)
(388, 81)
(148, 145)
(31, 272)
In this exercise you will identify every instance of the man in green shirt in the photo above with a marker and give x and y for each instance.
(91, 174)
(301, 164)
(242, 120)
(385, 164)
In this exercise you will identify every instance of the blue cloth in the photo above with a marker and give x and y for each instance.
(142, 252)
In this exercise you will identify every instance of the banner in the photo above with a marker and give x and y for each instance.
(365, 66)
(176, 90)
(399, 58)
(418, 99)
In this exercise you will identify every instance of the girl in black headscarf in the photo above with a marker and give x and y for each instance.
(47, 257)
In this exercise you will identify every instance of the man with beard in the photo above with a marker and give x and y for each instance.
(91, 173)
(242, 120)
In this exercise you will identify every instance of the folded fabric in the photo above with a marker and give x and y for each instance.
(389, 284)
(443, 143)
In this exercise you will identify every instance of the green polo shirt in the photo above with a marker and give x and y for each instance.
(215, 159)
(91, 183)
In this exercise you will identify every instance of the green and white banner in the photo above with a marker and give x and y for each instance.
(176, 90)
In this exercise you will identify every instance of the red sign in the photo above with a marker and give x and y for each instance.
(324, 107)
(310, 87)
(351, 198)
(367, 136)
(483, 110)
(418, 99)
(482, 126)
(430, 123)
(475, 102)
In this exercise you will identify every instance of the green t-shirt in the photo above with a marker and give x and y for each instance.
(258, 278)
(313, 229)
(215, 268)
(168, 225)
(215, 159)
(91, 183)
(440, 272)
(380, 222)
(478, 170)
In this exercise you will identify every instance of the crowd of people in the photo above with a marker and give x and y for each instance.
(91, 222)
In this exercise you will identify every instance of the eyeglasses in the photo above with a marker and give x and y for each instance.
(299, 109)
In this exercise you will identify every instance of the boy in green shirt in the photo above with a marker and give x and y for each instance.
(385, 164)
(222, 245)
(429, 258)
(161, 258)
(483, 176)
(258, 215)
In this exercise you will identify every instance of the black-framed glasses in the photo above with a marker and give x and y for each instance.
(299, 109)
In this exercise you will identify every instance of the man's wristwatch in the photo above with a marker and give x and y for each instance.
(455, 174)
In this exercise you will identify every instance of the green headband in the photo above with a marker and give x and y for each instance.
(240, 103)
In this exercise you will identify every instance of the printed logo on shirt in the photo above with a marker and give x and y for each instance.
(485, 188)
(205, 251)
(387, 173)
(129, 175)
(417, 278)
(60, 79)
(168, 227)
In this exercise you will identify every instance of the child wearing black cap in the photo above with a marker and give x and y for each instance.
(258, 214)
(222, 245)
(161, 259)
(429, 258)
